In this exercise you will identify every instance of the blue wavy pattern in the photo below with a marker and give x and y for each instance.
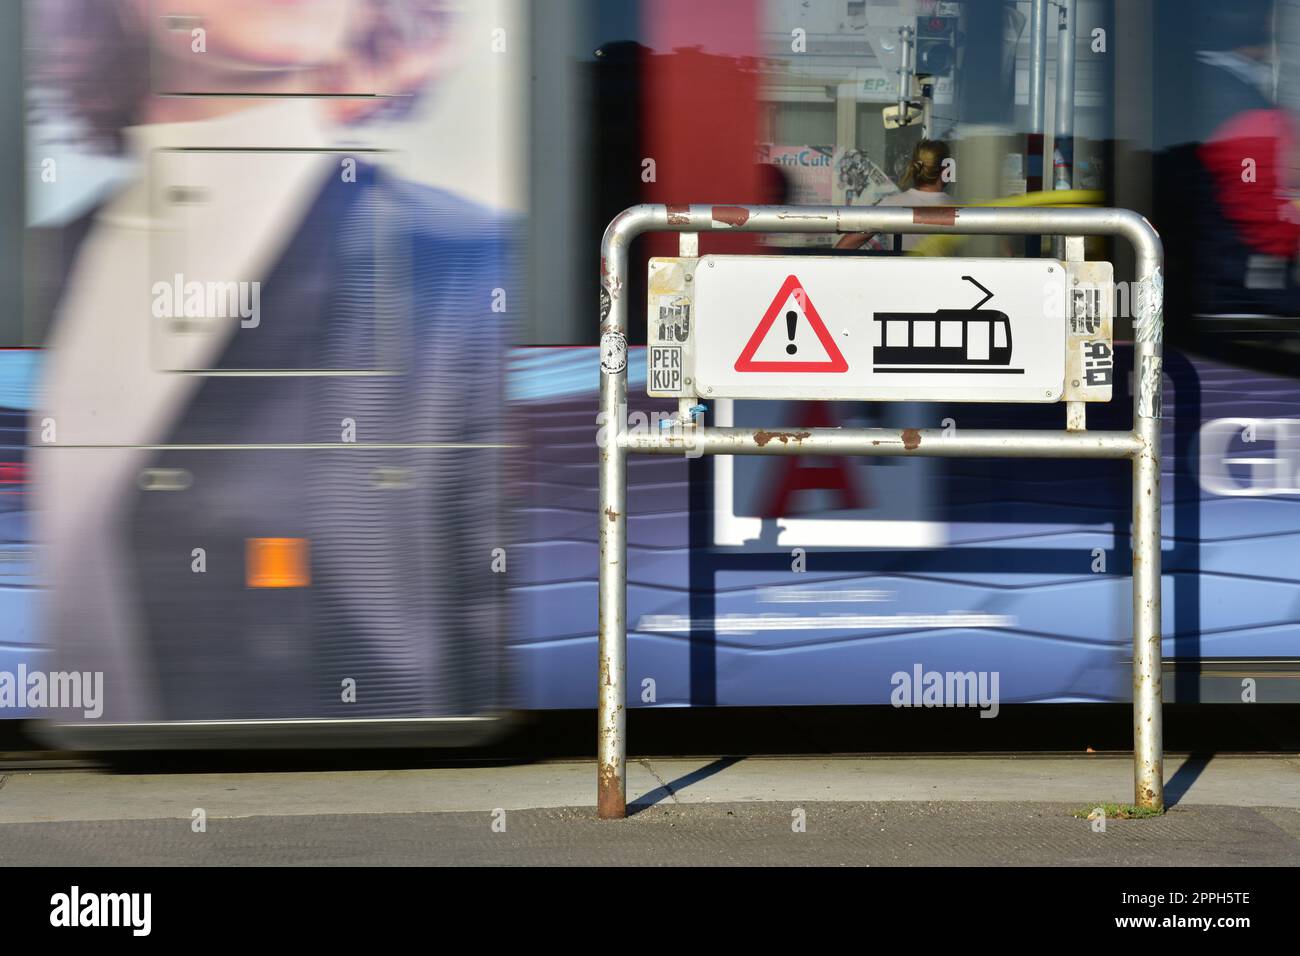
(1022, 538)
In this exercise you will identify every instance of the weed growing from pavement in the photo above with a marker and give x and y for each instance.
(1118, 811)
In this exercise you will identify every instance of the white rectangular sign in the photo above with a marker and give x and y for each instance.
(880, 329)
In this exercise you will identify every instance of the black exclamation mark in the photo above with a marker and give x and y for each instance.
(790, 318)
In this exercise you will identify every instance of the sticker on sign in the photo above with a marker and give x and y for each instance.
(664, 368)
(877, 329)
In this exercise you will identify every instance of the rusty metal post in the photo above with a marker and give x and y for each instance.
(611, 748)
(1141, 445)
(611, 752)
(1148, 718)
(611, 628)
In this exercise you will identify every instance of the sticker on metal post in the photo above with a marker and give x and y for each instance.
(613, 352)
(1090, 351)
(877, 329)
(670, 312)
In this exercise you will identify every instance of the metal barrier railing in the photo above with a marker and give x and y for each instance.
(1140, 445)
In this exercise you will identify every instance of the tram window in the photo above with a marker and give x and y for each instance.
(896, 334)
(977, 340)
(999, 335)
(950, 335)
(923, 334)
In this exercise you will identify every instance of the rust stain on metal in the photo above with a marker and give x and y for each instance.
(610, 283)
(934, 215)
(679, 215)
(610, 803)
(611, 514)
(911, 439)
(731, 215)
(761, 438)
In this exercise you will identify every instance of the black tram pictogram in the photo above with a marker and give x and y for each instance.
(970, 340)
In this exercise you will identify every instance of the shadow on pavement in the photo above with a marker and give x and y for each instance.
(1181, 782)
(681, 783)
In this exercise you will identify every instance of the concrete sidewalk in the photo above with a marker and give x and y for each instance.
(895, 811)
(47, 796)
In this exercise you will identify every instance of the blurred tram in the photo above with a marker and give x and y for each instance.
(418, 579)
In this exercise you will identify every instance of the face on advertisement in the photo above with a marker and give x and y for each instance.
(253, 34)
(107, 56)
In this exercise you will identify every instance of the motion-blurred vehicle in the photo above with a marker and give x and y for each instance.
(760, 582)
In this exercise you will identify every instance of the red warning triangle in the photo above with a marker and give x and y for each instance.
(834, 361)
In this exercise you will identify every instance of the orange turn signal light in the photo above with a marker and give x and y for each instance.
(277, 563)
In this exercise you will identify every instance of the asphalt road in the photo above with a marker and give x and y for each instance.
(746, 834)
